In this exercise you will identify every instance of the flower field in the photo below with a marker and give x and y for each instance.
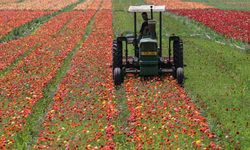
(89, 120)
(11, 50)
(35, 4)
(10, 19)
(22, 87)
(179, 4)
(226, 22)
(57, 90)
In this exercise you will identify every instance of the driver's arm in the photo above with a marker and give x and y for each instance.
(143, 27)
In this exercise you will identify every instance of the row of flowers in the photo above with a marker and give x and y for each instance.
(10, 19)
(83, 113)
(230, 23)
(23, 86)
(7, 1)
(92, 5)
(84, 5)
(36, 5)
(179, 4)
(161, 114)
(11, 50)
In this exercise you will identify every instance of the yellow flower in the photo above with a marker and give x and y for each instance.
(198, 142)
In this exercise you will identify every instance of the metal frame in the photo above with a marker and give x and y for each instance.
(160, 28)
(147, 8)
(166, 63)
(135, 30)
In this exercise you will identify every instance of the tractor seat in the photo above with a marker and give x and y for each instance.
(152, 28)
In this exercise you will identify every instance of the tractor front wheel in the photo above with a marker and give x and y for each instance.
(180, 75)
(118, 76)
(178, 52)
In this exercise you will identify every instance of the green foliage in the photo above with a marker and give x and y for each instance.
(122, 5)
(218, 80)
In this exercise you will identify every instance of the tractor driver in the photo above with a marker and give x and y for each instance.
(144, 27)
(144, 30)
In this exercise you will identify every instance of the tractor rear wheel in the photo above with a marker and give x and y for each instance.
(114, 49)
(178, 52)
(174, 72)
(117, 54)
(180, 75)
(178, 60)
(118, 76)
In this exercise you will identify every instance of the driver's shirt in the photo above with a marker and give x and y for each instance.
(143, 26)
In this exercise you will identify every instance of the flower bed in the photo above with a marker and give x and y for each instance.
(36, 5)
(83, 109)
(23, 86)
(9, 19)
(231, 23)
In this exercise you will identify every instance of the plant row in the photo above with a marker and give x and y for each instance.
(230, 23)
(179, 4)
(10, 19)
(22, 87)
(162, 115)
(13, 49)
(36, 5)
(83, 111)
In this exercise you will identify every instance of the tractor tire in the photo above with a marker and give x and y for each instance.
(180, 75)
(117, 54)
(178, 53)
(174, 72)
(118, 76)
(114, 59)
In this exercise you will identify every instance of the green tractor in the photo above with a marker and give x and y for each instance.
(147, 59)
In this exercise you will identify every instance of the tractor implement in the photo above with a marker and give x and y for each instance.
(147, 59)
